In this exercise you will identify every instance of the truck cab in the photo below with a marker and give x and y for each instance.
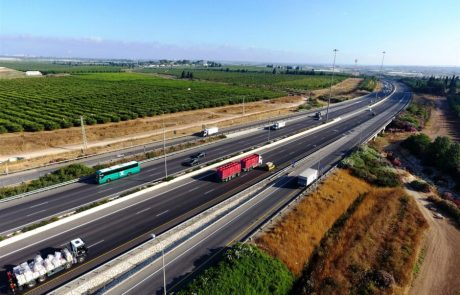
(318, 116)
(78, 249)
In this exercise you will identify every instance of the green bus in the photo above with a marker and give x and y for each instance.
(117, 171)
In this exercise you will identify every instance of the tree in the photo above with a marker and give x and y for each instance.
(191, 76)
(453, 85)
(274, 71)
(182, 76)
(451, 159)
(437, 151)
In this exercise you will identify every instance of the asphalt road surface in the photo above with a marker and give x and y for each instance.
(19, 213)
(111, 234)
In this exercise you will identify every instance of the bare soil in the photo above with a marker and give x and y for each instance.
(438, 274)
(6, 73)
(443, 121)
(344, 90)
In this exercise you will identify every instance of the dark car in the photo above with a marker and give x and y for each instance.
(200, 155)
(191, 162)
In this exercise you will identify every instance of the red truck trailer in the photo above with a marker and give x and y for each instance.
(228, 171)
(250, 162)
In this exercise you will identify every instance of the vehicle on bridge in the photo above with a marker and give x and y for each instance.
(27, 274)
(117, 171)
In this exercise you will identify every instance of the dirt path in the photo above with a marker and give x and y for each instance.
(438, 274)
(443, 121)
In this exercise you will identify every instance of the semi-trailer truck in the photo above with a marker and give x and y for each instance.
(307, 177)
(209, 131)
(251, 162)
(27, 274)
(233, 169)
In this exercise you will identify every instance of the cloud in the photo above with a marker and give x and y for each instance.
(96, 47)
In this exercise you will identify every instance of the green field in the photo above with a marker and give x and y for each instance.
(256, 79)
(55, 68)
(48, 103)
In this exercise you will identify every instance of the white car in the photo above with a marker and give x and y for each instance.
(438, 215)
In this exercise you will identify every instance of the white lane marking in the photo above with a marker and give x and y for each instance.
(292, 153)
(159, 214)
(63, 244)
(95, 244)
(192, 189)
(209, 191)
(139, 212)
(38, 205)
(36, 212)
(194, 245)
(107, 189)
(98, 218)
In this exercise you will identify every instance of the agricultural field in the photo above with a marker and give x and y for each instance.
(55, 68)
(256, 79)
(50, 103)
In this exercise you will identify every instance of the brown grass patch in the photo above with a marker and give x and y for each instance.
(296, 236)
(344, 90)
(383, 234)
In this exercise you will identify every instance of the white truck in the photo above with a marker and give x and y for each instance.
(278, 125)
(307, 177)
(209, 131)
(39, 269)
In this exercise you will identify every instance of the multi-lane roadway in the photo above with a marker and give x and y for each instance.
(18, 213)
(110, 233)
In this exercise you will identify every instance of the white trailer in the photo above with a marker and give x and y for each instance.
(39, 269)
(278, 125)
(307, 177)
(209, 131)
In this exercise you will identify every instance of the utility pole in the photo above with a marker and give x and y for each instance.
(330, 88)
(83, 133)
(163, 258)
(380, 72)
(164, 149)
(356, 67)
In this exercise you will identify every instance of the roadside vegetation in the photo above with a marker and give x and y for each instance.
(454, 102)
(366, 163)
(75, 171)
(368, 84)
(371, 249)
(63, 174)
(352, 235)
(242, 269)
(414, 118)
(441, 153)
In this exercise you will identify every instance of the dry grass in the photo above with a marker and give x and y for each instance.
(383, 234)
(346, 89)
(294, 239)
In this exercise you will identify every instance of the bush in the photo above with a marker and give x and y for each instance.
(450, 208)
(417, 144)
(63, 174)
(243, 269)
(420, 186)
(368, 164)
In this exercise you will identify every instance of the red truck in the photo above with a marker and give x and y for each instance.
(250, 162)
(233, 169)
(228, 171)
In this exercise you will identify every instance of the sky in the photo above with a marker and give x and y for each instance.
(411, 32)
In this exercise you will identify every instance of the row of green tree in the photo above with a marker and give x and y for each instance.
(442, 153)
(433, 85)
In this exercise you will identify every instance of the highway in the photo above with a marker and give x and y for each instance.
(18, 213)
(182, 262)
(113, 233)
(18, 177)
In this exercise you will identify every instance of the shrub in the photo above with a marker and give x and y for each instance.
(417, 144)
(243, 268)
(420, 186)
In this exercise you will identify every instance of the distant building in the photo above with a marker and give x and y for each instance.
(33, 73)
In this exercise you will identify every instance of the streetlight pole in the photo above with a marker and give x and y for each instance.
(380, 72)
(163, 259)
(243, 106)
(330, 88)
